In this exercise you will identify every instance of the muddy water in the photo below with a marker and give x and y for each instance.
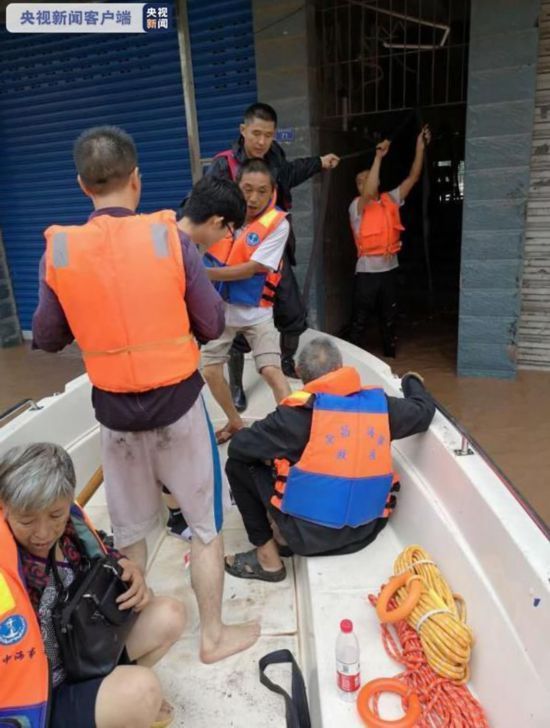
(509, 419)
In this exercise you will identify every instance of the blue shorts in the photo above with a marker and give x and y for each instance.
(73, 704)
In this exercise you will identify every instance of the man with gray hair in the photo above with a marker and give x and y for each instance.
(315, 477)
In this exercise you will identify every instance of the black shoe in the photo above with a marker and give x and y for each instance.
(288, 367)
(235, 366)
(177, 525)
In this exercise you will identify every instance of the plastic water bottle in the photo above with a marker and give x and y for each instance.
(348, 670)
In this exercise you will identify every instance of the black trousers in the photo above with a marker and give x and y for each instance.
(375, 294)
(252, 487)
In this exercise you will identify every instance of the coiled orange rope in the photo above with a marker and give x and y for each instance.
(445, 703)
(439, 616)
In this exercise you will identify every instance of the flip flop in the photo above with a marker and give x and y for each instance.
(226, 433)
(247, 566)
(164, 722)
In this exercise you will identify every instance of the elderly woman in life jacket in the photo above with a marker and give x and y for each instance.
(38, 518)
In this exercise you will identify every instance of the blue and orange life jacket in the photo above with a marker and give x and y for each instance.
(380, 229)
(24, 669)
(345, 474)
(259, 289)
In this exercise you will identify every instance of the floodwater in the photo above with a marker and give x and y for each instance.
(509, 418)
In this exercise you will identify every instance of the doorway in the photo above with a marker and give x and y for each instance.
(385, 68)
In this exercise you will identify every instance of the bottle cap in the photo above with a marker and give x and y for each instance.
(346, 625)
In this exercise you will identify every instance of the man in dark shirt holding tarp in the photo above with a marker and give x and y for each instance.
(257, 139)
(318, 471)
(132, 290)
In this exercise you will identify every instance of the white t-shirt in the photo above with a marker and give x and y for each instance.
(268, 253)
(372, 263)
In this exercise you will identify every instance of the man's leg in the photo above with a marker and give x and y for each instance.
(136, 552)
(363, 302)
(264, 341)
(218, 640)
(214, 355)
(277, 381)
(235, 366)
(244, 487)
(214, 377)
(132, 491)
(289, 346)
(387, 311)
(188, 463)
(290, 316)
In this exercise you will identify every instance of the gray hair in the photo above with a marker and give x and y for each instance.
(318, 357)
(32, 477)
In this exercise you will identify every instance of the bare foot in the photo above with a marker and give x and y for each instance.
(233, 638)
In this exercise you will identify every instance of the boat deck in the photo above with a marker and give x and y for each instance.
(229, 693)
(456, 508)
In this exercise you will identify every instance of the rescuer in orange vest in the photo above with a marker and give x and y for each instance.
(317, 472)
(377, 229)
(246, 269)
(257, 139)
(132, 290)
(39, 521)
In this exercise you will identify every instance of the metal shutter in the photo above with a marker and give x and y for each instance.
(53, 87)
(534, 326)
(224, 68)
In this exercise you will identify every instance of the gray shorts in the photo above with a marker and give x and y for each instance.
(182, 456)
(263, 339)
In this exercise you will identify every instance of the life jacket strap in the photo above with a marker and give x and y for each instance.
(140, 347)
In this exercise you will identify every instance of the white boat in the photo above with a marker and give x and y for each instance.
(457, 506)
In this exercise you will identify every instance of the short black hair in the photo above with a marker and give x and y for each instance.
(253, 165)
(265, 112)
(215, 196)
(105, 156)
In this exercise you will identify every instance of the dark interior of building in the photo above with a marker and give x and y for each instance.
(385, 68)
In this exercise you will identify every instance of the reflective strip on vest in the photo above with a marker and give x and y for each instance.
(159, 234)
(60, 254)
(136, 335)
(345, 474)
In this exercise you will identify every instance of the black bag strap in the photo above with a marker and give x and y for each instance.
(297, 710)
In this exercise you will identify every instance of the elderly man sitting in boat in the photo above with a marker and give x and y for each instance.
(47, 548)
(315, 477)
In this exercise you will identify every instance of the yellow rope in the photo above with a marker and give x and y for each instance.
(439, 616)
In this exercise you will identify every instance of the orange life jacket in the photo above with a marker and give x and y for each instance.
(380, 229)
(345, 475)
(259, 289)
(24, 669)
(121, 284)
